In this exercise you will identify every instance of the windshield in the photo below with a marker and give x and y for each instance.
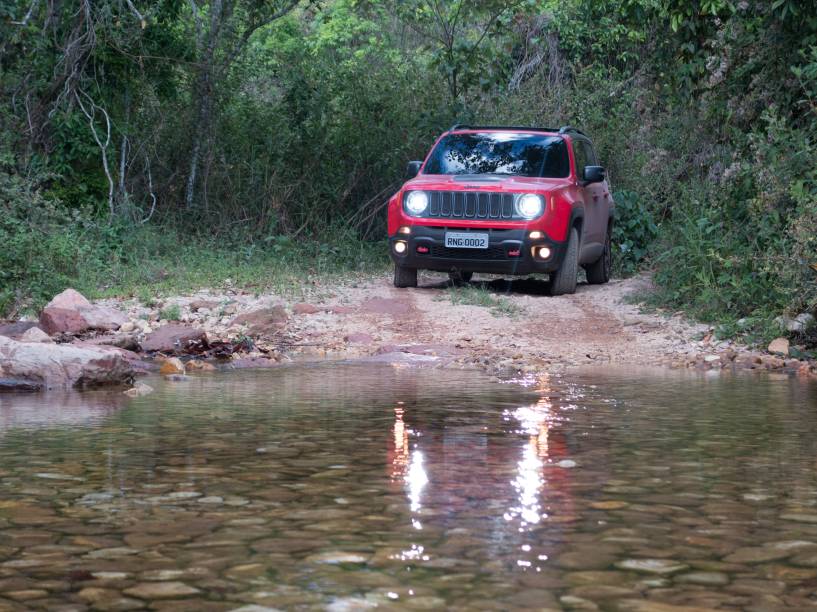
(530, 155)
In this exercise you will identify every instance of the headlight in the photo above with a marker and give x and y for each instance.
(529, 205)
(416, 202)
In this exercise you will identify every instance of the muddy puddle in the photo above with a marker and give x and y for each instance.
(346, 487)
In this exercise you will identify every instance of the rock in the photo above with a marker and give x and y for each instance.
(29, 365)
(35, 334)
(70, 299)
(644, 605)
(17, 329)
(243, 363)
(802, 323)
(336, 557)
(129, 342)
(138, 390)
(799, 324)
(70, 313)
(704, 578)
(779, 346)
(572, 602)
(652, 566)
(197, 305)
(359, 338)
(566, 464)
(55, 320)
(106, 319)
(758, 554)
(108, 599)
(200, 366)
(161, 590)
(173, 365)
(127, 327)
(266, 322)
(304, 309)
(173, 338)
(799, 517)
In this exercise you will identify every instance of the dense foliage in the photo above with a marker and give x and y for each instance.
(243, 125)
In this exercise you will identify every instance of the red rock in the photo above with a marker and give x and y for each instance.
(386, 306)
(340, 310)
(173, 338)
(54, 320)
(69, 299)
(302, 309)
(268, 321)
(359, 338)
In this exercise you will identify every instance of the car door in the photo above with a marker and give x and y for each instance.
(595, 207)
(580, 158)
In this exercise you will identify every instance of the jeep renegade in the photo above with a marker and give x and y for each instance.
(504, 200)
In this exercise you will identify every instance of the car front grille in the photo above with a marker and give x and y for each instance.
(470, 205)
(492, 253)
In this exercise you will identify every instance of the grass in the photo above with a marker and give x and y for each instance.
(470, 295)
(171, 313)
(148, 264)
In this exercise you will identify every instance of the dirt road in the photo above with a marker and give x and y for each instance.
(501, 326)
(520, 325)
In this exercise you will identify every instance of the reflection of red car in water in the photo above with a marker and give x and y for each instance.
(504, 200)
(505, 480)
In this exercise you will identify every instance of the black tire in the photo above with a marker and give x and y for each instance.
(457, 276)
(404, 277)
(599, 271)
(563, 281)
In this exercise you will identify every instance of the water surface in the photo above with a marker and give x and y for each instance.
(347, 487)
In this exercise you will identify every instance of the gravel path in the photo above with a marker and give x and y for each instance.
(501, 326)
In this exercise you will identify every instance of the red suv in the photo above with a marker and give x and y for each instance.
(504, 200)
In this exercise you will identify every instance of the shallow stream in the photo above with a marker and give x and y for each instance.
(345, 487)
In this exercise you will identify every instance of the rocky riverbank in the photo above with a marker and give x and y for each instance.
(78, 343)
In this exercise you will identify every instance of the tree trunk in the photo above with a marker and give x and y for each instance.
(203, 100)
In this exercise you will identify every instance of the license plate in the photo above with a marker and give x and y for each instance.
(466, 240)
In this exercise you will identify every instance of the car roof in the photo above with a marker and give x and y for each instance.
(566, 129)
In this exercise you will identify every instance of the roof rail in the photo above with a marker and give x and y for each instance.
(526, 128)
(569, 128)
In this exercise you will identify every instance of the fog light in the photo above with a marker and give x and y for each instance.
(400, 247)
(542, 252)
(536, 235)
(404, 230)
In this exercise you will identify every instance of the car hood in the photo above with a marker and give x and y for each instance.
(483, 182)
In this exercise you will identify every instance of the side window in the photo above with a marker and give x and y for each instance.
(581, 158)
(590, 154)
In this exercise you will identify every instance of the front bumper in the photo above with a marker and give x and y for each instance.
(498, 258)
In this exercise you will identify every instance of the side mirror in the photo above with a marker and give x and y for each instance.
(594, 174)
(413, 169)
